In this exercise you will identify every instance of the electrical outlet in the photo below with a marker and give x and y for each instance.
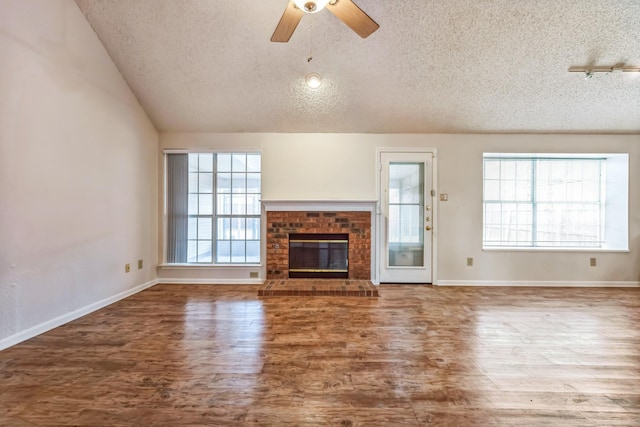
(469, 262)
(127, 268)
(253, 274)
(140, 264)
(592, 262)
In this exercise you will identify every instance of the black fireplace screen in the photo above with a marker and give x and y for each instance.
(314, 255)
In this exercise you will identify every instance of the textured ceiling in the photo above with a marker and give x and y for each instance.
(433, 66)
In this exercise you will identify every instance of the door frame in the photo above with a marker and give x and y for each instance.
(380, 236)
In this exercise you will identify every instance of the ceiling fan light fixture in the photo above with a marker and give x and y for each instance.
(345, 10)
(313, 80)
(311, 6)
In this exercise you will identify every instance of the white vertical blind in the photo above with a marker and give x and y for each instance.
(177, 208)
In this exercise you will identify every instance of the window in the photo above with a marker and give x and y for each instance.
(555, 201)
(405, 203)
(213, 208)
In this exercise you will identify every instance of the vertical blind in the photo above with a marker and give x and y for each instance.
(177, 207)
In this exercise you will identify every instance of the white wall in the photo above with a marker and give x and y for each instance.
(298, 166)
(343, 167)
(78, 171)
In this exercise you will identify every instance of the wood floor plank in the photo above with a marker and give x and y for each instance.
(416, 355)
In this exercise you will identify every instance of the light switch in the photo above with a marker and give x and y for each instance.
(444, 197)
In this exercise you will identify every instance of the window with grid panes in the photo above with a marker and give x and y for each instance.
(222, 201)
(544, 202)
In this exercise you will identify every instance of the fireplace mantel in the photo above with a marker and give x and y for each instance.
(320, 205)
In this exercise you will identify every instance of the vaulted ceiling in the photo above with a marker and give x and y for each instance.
(433, 66)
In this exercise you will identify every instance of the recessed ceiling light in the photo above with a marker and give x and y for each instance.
(313, 80)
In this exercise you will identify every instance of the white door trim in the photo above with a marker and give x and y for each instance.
(378, 215)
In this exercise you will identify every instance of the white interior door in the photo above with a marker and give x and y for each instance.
(407, 217)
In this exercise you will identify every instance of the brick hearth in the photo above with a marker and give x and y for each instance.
(280, 224)
(318, 288)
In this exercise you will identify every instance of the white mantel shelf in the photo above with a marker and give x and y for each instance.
(319, 205)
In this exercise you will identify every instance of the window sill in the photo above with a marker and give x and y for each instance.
(566, 250)
(206, 266)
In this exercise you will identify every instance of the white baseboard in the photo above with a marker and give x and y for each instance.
(68, 317)
(541, 283)
(183, 281)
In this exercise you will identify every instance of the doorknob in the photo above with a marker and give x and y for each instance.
(428, 228)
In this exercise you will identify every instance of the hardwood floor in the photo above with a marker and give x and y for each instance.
(219, 355)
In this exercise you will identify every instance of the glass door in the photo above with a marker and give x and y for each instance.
(406, 201)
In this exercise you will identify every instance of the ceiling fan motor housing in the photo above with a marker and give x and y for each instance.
(311, 6)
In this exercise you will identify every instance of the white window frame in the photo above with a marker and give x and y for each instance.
(215, 214)
(614, 199)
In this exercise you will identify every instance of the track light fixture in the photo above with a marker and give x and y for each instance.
(590, 71)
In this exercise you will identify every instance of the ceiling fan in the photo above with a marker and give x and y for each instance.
(345, 10)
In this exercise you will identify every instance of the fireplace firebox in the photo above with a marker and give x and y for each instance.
(314, 255)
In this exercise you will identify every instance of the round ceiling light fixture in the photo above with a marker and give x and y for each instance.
(313, 80)
(311, 6)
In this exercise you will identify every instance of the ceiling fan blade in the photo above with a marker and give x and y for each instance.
(355, 18)
(288, 23)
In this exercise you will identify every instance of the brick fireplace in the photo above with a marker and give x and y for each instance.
(357, 224)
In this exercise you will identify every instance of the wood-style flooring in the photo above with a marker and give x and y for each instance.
(178, 355)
